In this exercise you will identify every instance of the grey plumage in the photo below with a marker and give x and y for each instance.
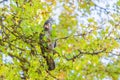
(46, 44)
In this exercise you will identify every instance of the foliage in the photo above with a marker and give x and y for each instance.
(81, 46)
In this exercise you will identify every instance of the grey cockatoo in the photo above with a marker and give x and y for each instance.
(47, 44)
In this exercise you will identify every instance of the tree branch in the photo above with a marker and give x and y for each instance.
(66, 37)
(89, 53)
(52, 75)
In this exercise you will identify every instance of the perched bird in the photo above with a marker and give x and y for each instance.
(47, 44)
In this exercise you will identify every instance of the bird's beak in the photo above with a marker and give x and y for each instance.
(47, 26)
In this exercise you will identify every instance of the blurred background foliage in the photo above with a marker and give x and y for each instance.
(87, 34)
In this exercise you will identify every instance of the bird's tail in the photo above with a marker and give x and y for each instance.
(50, 63)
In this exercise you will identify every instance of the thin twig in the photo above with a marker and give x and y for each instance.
(89, 53)
(51, 75)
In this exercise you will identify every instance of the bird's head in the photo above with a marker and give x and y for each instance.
(48, 24)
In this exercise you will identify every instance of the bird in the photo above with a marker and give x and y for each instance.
(47, 44)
